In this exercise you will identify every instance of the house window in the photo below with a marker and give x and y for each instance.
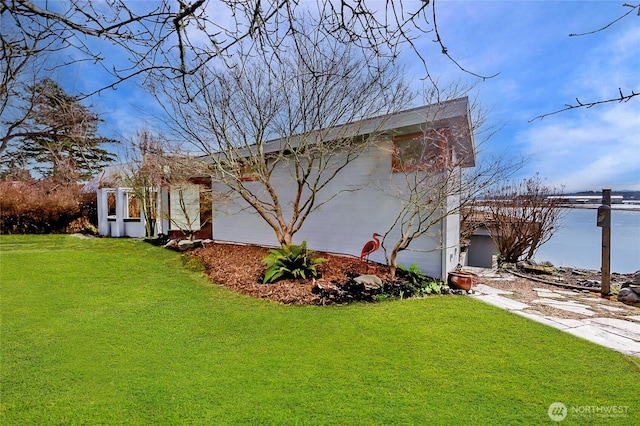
(422, 151)
(132, 210)
(111, 205)
(248, 172)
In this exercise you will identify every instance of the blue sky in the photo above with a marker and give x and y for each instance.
(540, 70)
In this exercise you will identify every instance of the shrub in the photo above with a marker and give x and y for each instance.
(291, 261)
(37, 207)
(82, 225)
(420, 284)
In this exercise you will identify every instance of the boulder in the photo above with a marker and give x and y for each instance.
(628, 296)
(370, 282)
(537, 269)
(631, 286)
(636, 278)
(184, 245)
(171, 244)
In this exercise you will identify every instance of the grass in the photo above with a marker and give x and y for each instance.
(108, 331)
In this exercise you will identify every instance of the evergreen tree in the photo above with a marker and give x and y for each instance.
(60, 138)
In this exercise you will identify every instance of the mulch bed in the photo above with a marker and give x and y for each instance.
(240, 268)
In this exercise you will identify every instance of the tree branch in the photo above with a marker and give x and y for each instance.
(579, 104)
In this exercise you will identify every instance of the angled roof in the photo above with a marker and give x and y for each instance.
(451, 114)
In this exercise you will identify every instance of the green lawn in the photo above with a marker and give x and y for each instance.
(107, 331)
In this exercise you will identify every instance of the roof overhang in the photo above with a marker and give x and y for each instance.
(453, 115)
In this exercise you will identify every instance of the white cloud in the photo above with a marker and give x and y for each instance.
(596, 149)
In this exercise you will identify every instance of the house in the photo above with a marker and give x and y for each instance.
(365, 197)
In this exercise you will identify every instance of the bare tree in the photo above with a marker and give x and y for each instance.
(154, 166)
(22, 56)
(521, 217)
(622, 95)
(146, 168)
(285, 111)
(435, 172)
(176, 38)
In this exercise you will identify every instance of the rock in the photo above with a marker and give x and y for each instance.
(81, 235)
(589, 283)
(627, 296)
(636, 278)
(327, 286)
(537, 269)
(635, 288)
(184, 245)
(370, 282)
(172, 244)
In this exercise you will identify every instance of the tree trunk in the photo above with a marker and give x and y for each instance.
(393, 264)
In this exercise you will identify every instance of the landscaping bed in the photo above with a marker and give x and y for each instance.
(240, 268)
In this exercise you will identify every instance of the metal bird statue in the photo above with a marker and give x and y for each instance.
(370, 247)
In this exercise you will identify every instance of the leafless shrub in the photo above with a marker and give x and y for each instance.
(37, 207)
(521, 217)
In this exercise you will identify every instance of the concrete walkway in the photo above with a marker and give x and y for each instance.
(620, 334)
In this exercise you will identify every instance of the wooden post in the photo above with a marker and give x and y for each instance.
(605, 281)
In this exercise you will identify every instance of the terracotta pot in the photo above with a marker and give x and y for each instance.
(462, 280)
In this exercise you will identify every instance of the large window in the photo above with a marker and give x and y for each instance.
(185, 208)
(132, 210)
(111, 205)
(422, 151)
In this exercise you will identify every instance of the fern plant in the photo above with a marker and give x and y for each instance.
(419, 283)
(291, 261)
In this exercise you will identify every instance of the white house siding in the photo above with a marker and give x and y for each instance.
(346, 223)
(451, 234)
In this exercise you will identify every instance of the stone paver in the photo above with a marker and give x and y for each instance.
(602, 337)
(567, 292)
(611, 308)
(618, 326)
(559, 323)
(501, 302)
(618, 334)
(569, 306)
(485, 289)
(549, 295)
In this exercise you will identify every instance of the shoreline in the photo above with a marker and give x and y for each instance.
(619, 207)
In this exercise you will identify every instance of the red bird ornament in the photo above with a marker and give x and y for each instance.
(370, 247)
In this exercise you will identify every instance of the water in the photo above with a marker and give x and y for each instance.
(579, 242)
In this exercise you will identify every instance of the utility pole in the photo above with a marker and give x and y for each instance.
(604, 222)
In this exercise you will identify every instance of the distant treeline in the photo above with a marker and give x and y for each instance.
(627, 195)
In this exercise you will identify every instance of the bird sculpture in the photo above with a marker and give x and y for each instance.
(370, 247)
